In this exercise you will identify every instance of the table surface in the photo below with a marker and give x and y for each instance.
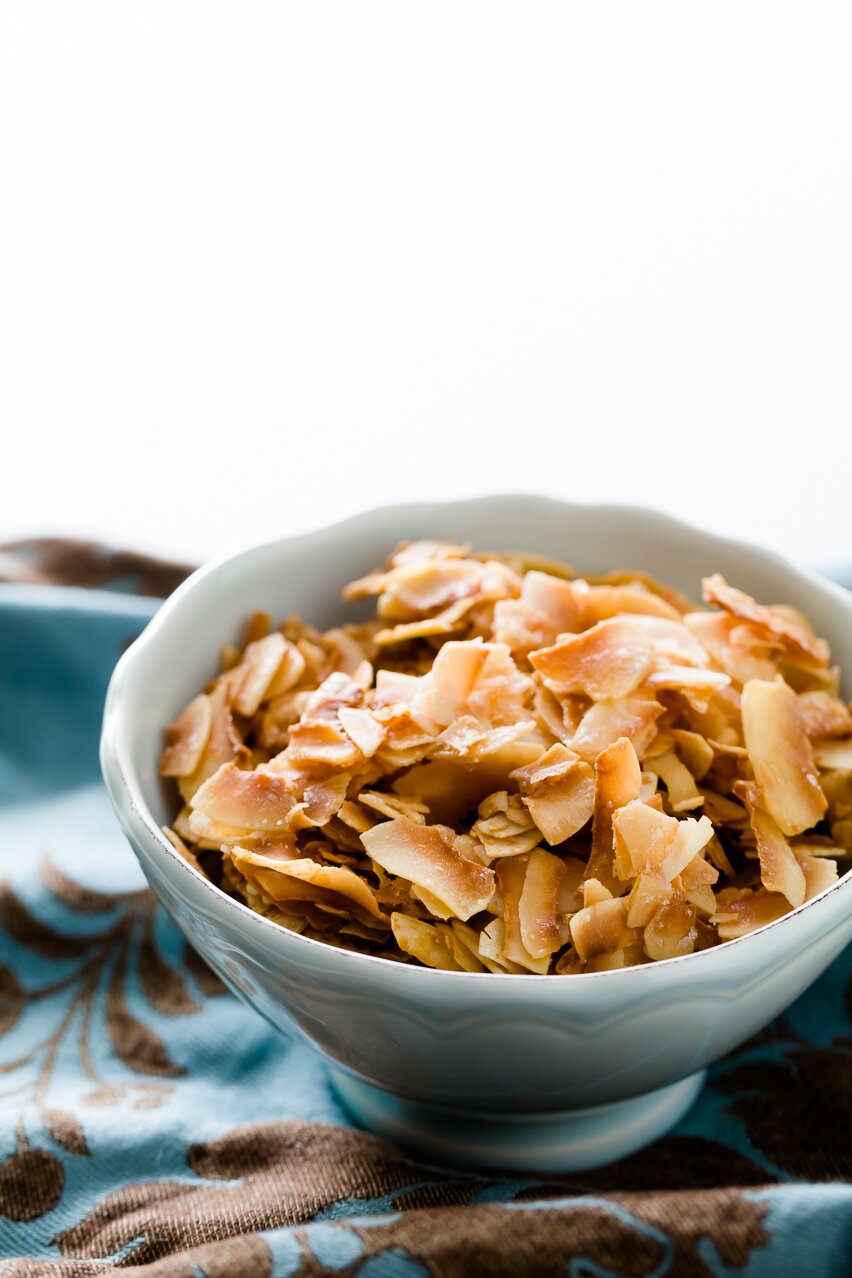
(258, 274)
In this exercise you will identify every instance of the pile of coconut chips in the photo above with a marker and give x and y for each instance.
(512, 769)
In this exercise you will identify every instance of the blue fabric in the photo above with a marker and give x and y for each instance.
(123, 1067)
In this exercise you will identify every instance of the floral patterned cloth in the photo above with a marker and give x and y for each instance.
(151, 1125)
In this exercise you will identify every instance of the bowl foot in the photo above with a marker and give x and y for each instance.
(560, 1141)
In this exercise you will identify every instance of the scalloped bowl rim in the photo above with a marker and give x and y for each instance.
(122, 785)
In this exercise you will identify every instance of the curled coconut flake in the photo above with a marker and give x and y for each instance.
(778, 622)
(256, 800)
(606, 662)
(187, 739)
(823, 715)
(781, 755)
(425, 855)
(559, 791)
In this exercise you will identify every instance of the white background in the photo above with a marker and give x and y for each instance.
(263, 265)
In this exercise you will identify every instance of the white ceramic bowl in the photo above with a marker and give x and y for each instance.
(516, 1071)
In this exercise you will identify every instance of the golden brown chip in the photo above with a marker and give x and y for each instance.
(426, 856)
(823, 715)
(559, 791)
(511, 876)
(255, 800)
(775, 621)
(634, 717)
(187, 739)
(606, 662)
(423, 942)
(539, 902)
(618, 780)
(602, 928)
(781, 755)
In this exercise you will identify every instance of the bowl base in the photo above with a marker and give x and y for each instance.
(560, 1141)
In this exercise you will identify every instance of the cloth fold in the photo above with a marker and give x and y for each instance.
(152, 1125)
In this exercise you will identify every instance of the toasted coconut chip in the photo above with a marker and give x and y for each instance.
(468, 740)
(223, 743)
(650, 840)
(594, 892)
(823, 715)
(321, 745)
(691, 837)
(781, 755)
(717, 633)
(258, 800)
(672, 931)
(550, 714)
(778, 621)
(434, 908)
(604, 722)
(688, 679)
(703, 898)
(424, 942)
(650, 890)
(362, 728)
(602, 928)
(393, 806)
(605, 663)
(683, 794)
(618, 780)
(505, 827)
(511, 876)
(520, 627)
(538, 906)
(780, 870)
(834, 755)
(491, 940)
(187, 739)
(394, 688)
(253, 677)
(820, 873)
(321, 801)
(698, 872)
(445, 690)
(417, 589)
(555, 599)
(643, 837)
(695, 750)
(215, 834)
(500, 692)
(741, 913)
(464, 943)
(601, 602)
(673, 642)
(426, 856)
(559, 791)
(337, 690)
(342, 884)
(289, 673)
(443, 623)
